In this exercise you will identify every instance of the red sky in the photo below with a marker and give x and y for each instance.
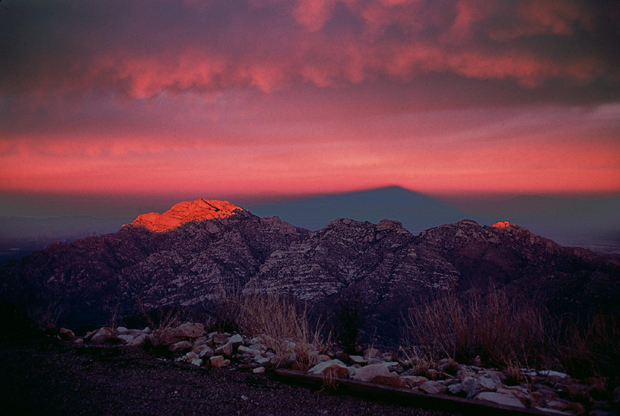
(274, 97)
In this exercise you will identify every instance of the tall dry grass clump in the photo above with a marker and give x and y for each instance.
(284, 326)
(495, 327)
(591, 347)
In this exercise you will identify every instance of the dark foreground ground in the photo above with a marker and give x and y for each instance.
(46, 377)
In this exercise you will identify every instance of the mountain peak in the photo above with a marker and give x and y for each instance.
(183, 212)
(503, 224)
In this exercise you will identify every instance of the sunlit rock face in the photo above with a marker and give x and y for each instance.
(184, 212)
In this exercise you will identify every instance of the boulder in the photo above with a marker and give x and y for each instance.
(66, 334)
(457, 390)
(138, 341)
(226, 350)
(198, 348)
(414, 381)
(102, 335)
(262, 360)
(357, 359)
(180, 346)
(331, 368)
(259, 370)
(433, 387)
(231, 346)
(207, 352)
(220, 338)
(245, 350)
(217, 361)
(185, 331)
(196, 361)
(370, 371)
(392, 381)
(477, 385)
(127, 338)
(499, 398)
(236, 340)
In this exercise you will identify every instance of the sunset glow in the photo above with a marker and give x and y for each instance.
(264, 97)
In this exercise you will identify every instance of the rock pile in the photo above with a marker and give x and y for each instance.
(190, 343)
(548, 391)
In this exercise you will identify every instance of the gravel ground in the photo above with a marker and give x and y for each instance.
(46, 377)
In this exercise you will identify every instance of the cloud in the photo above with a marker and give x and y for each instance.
(144, 48)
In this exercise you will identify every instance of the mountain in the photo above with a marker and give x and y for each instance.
(201, 261)
(20, 236)
(415, 211)
(592, 222)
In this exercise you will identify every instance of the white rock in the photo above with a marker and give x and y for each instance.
(217, 361)
(259, 359)
(552, 373)
(121, 329)
(390, 365)
(138, 341)
(370, 371)
(259, 370)
(337, 365)
(236, 339)
(552, 411)
(322, 358)
(206, 352)
(102, 335)
(357, 359)
(127, 338)
(433, 387)
(245, 350)
(504, 399)
(196, 362)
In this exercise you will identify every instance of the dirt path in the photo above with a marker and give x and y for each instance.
(45, 377)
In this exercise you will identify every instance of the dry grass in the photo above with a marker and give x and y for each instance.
(284, 327)
(513, 333)
(496, 328)
(590, 348)
(46, 317)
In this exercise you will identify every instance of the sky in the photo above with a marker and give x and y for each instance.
(269, 98)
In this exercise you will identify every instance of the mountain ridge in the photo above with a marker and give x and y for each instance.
(201, 262)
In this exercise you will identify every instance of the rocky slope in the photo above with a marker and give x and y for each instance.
(151, 263)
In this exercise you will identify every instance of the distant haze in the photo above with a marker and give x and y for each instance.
(32, 222)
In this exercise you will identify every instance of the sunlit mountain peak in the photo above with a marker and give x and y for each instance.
(503, 224)
(183, 212)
